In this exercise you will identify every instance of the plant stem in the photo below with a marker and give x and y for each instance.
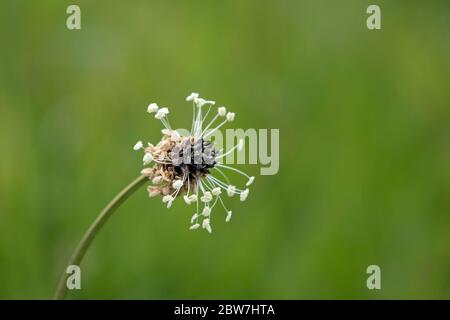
(93, 230)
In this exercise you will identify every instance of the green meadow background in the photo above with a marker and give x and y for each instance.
(364, 121)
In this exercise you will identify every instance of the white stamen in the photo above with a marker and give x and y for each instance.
(194, 218)
(194, 226)
(217, 182)
(138, 146)
(196, 190)
(193, 197)
(223, 204)
(161, 113)
(165, 122)
(186, 199)
(207, 197)
(152, 107)
(206, 114)
(228, 218)
(234, 169)
(220, 183)
(222, 174)
(206, 225)
(250, 181)
(167, 198)
(230, 116)
(177, 184)
(206, 211)
(239, 146)
(164, 111)
(147, 158)
(216, 191)
(199, 102)
(193, 119)
(192, 96)
(231, 190)
(209, 124)
(210, 132)
(197, 121)
(244, 194)
(222, 111)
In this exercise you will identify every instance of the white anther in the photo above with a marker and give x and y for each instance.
(161, 113)
(244, 194)
(194, 218)
(186, 199)
(206, 225)
(147, 158)
(194, 226)
(207, 197)
(216, 191)
(206, 211)
(199, 102)
(177, 184)
(230, 116)
(222, 111)
(152, 107)
(138, 146)
(228, 218)
(250, 181)
(231, 190)
(192, 96)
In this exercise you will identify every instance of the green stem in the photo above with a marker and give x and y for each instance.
(95, 227)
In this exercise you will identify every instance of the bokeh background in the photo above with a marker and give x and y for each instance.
(364, 122)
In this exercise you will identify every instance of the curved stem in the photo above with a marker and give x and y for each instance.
(93, 230)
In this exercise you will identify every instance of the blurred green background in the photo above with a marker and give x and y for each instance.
(364, 153)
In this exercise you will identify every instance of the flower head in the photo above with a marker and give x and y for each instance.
(184, 166)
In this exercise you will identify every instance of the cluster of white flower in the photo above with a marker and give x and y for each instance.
(196, 181)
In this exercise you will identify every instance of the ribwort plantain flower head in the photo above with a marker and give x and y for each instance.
(185, 166)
